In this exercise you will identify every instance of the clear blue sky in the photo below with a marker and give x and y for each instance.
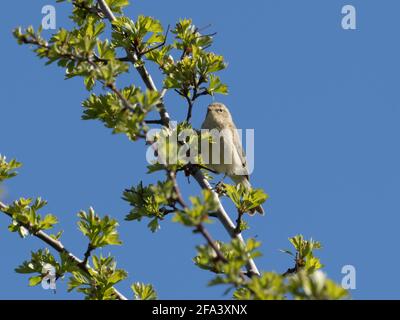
(324, 103)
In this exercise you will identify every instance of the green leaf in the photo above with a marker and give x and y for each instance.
(199, 212)
(215, 86)
(144, 291)
(117, 5)
(100, 231)
(34, 281)
(113, 113)
(48, 222)
(7, 169)
(150, 202)
(98, 285)
(245, 199)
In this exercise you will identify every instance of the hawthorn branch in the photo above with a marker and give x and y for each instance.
(87, 254)
(172, 177)
(89, 9)
(203, 231)
(121, 97)
(296, 267)
(106, 10)
(144, 74)
(221, 214)
(223, 217)
(59, 247)
(239, 221)
(199, 228)
(158, 121)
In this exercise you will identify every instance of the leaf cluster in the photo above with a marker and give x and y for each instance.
(245, 199)
(153, 202)
(26, 218)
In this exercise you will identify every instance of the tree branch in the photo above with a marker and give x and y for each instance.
(144, 74)
(106, 10)
(223, 217)
(59, 247)
(195, 172)
(172, 177)
(87, 254)
(190, 108)
(203, 231)
(239, 221)
(125, 102)
(296, 267)
(159, 121)
(199, 228)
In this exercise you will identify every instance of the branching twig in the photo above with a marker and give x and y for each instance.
(199, 228)
(295, 269)
(203, 231)
(190, 108)
(172, 177)
(118, 93)
(87, 254)
(157, 46)
(239, 222)
(58, 246)
(159, 121)
(144, 74)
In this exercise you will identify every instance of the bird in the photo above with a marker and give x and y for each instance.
(235, 166)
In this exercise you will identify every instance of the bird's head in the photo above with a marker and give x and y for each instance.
(219, 112)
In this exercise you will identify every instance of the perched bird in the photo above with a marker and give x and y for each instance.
(232, 160)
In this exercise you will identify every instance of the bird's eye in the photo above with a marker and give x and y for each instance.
(220, 110)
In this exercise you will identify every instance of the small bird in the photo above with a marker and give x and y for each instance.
(219, 118)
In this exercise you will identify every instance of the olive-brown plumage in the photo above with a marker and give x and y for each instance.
(232, 159)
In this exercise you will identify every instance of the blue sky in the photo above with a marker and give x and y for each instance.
(324, 103)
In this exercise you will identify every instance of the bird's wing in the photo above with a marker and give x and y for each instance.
(240, 152)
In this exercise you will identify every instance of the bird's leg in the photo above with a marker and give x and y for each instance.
(220, 185)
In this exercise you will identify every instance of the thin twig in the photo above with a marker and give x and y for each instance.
(190, 108)
(87, 254)
(157, 46)
(239, 221)
(203, 231)
(120, 96)
(199, 228)
(172, 177)
(159, 121)
(296, 267)
(205, 168)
